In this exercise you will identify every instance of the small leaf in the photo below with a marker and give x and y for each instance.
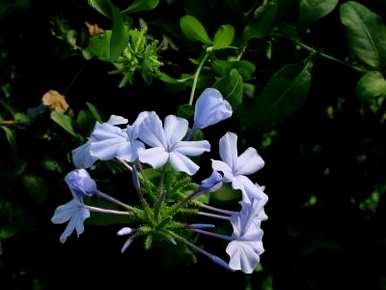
(94, 111)
(365, 33)
(11, 138)
(35, 186)
(231, 87)
(224, 36)
(194, 30)
(102, 6)
(283, 95)
(262, 23)
(141, 5)
(148, 241)
(63, 121)
(185, 111)
(312, 10)
(99, 46)
(371, 85)
(119, 35)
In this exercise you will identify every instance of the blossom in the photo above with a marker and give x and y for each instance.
(210, 109)
(212, 183)
(124, 232)
(167, 145)
(76, 213)
(80, 183)
(235, 167)
(247, 246)
(107, 141)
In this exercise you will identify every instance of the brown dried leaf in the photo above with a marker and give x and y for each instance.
(55, 101)
(94, 29)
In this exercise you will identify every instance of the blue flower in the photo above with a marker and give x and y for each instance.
(212, 183)
(235, 167)
(247, 245)
(210, 109)
(80, 183)
(107, 141)
(76, 213)
(167, 145)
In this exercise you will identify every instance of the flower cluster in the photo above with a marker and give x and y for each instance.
(168, 147)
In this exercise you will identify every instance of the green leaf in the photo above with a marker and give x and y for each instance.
(63, 121)
(119, 35)
(11, 138)
(141, 5)
(262, 23)
(35, 186)
(365, 33)
(312, 10)
(231, 87)
(283, 95)
(194, 30)
(102, 6)
(224, 36)
(94, 111)
(225, 193)
(7, 231)
(185, 111)
(99, 46)
(371, 85)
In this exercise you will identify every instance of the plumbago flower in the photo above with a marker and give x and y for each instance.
(167, 195)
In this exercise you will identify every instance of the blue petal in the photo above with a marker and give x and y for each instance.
(249, 162)
(81, 156)
(212, 183)
(117, 120)
(175, 129)
(228, 149)
(156, 157)
(192, 148)
(151, 131)
(80, 183)
(210, 109)
(182, 163)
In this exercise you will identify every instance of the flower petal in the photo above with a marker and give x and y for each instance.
(117, 120)
(175, 129)
(248, 189)
(210, 109)
(243, 256)
(192, 148)
(156, 156)
(81, 156)
(249, 162)
(151, 131)
(109, 149)
(107, 131)
(80, 183)
(182, 163)
(64, 212)
(124, 231)
(228, 149)
(212, 183)
(223, 167)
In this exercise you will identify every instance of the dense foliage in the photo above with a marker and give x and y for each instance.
(305, 78)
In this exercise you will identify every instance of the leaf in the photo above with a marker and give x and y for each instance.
(63, 121)
(283, 95)
(194, 30)
(99, 46)
(225, 193)
(224, 36)
(119, 35)
(102, 6)
(365, 33)
(11, 138)
(312, 10)
(141, 5)
(371, 85)
(231, 87)
(262, 23)
(94, 111)
(35, 186)
(7, 231)
(55, 101)
(185, 111)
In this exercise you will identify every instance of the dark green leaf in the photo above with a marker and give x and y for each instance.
(141, 5)
(245, 68)
(102, 6)
(312, 10)
(225, 193)
(63, 121)
(194, 30)
(371, 85)
(185, 111)
(224, 36)
(262, 23)
(119, 35)
(35, 186)
(94, 111)
(231, 87)
(365, 33)
(221, 67)
(283, 95)
(7, 231)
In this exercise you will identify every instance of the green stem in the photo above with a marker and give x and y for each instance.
(327, 56)
(161, 196)
(196, 75)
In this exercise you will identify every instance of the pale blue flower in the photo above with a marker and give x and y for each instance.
(247, 245)
(210, 109)
(167, 145)
(124, 232)
(107, 141)
(80, 183)
(75, 213)
(235, 167)
(212, 183)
